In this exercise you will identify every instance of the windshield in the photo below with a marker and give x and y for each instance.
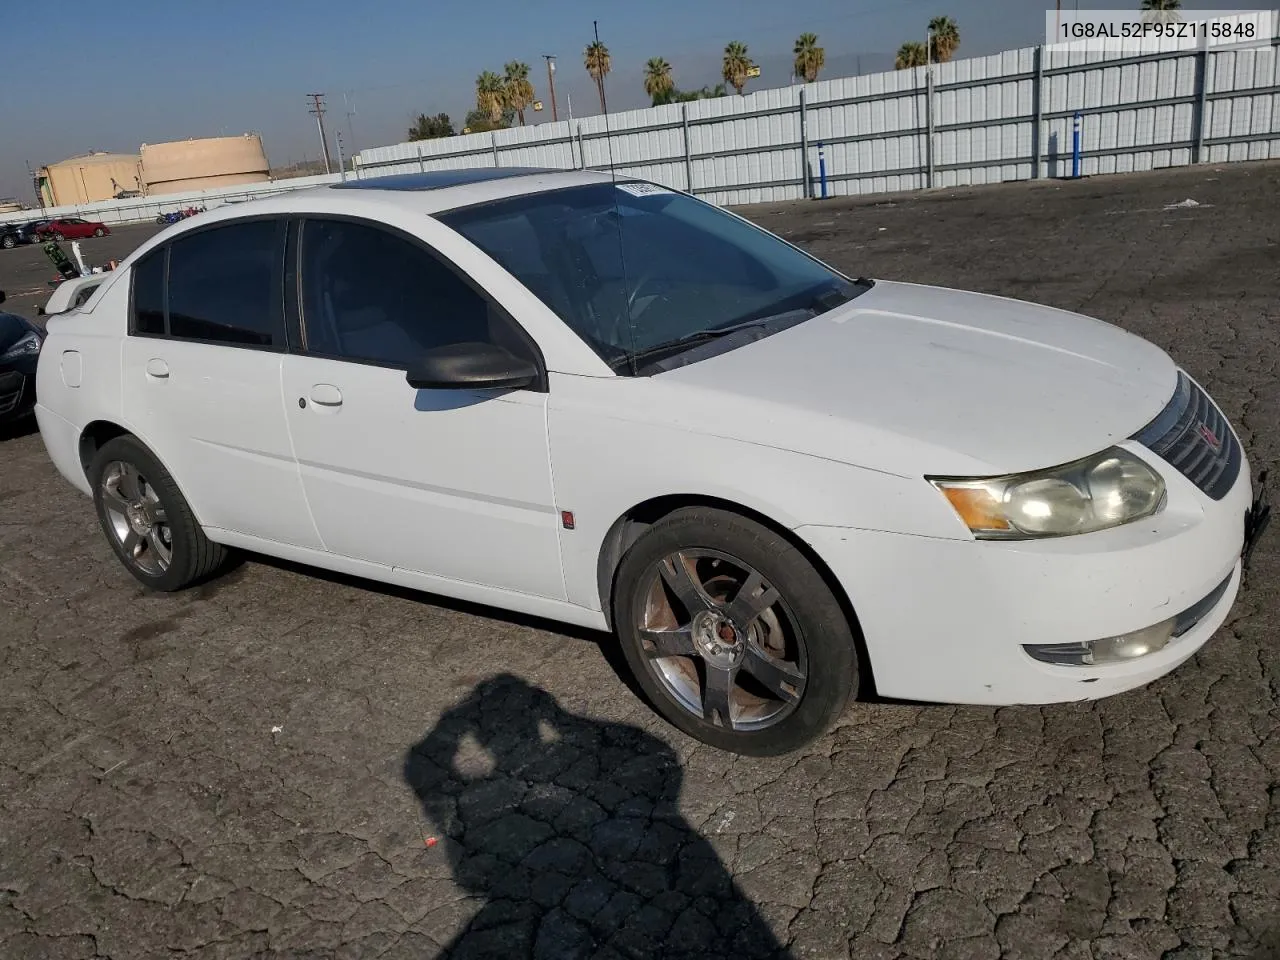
(641, 273)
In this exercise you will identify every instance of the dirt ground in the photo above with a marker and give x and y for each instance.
(289, 764)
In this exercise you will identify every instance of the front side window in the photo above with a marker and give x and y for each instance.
(641, 273)
(374, 296)
(225, 285)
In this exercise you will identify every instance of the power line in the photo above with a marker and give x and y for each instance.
(318, 110)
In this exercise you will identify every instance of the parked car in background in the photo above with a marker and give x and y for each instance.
(19, 234)
(72, 228)
(616, 405)
(20, 343)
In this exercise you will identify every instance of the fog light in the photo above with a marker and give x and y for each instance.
(1127, 646)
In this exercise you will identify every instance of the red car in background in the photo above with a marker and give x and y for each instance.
(72, 228)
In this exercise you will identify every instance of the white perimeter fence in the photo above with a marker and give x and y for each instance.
(983, 120)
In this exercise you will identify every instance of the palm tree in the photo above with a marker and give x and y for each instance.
(810, 57)
(1161, 10)
(490, 95)
(945, 37)
(517, 91)
(912, 54)
(736, 65)
(598, 64)
(657, 79)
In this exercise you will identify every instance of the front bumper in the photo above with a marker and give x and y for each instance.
(946, 620)
(17, 390)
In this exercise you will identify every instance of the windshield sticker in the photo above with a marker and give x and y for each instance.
(641, 189)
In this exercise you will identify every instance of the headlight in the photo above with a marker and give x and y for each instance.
(1105, 490)
(28, 344)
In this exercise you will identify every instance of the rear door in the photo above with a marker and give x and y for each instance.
(202, 367)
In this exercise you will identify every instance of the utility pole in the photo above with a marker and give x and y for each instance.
(318, 110)
(551, 82)
(351, 130)
(342, 166)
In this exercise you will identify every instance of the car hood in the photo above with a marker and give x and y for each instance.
(913, 380)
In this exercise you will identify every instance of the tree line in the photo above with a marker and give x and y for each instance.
(502, 99)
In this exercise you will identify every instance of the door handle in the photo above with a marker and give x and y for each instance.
(157, 369)
(326, 395)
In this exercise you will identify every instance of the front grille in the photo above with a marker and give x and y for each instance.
(1194, 437)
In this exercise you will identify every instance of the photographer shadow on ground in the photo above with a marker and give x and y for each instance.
(567, 830)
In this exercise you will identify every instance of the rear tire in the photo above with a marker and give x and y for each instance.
(59, 237)
(751, 652)
(147, 520)
(8, 242)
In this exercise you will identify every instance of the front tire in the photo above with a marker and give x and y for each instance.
(8, 242)
(59, 237)
(732, 634)
(147, 520)
(99, 232)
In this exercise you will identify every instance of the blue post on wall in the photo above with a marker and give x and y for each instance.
(822, 168)
(1075, 147)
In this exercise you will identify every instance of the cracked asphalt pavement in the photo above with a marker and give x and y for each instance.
(284, 763)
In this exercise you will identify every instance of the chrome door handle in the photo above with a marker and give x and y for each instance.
(157, 369)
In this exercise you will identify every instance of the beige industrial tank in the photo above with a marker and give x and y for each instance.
(89, 178)
(185, 165)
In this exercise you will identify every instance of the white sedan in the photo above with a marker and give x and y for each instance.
(611, 404)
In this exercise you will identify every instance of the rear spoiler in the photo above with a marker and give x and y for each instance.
(72, 293)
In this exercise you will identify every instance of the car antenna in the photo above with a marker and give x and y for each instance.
(613, 177)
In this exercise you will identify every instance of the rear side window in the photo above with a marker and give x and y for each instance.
(225, 285)
(148, 294)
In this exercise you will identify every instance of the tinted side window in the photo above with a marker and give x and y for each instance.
(148, 294)
(225, 285)
(368, 294)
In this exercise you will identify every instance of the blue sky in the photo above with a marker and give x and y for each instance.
(135, 71)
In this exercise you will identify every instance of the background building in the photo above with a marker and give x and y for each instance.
(88, 178)
(186, 165)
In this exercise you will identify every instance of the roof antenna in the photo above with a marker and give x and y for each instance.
(604, 103)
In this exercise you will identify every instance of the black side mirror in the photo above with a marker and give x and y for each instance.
(1, 296)
(471, 366)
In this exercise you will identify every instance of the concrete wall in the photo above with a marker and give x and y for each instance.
(189, 165)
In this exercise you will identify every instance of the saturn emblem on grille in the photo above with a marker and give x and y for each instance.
(1210, 437)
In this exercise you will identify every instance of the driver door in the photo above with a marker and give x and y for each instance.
(454, 484)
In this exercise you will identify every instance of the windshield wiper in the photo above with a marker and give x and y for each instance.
(681, 344)
(827, 300)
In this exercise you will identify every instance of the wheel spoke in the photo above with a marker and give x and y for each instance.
(129, 484)
(157, 547)
(114, 500)
(132, 544)
(783, 679)
(753, 598)
(678, 576)
(668, 643)
(716, 693)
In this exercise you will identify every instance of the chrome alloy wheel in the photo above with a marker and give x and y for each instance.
(722, 640)
(138, 520)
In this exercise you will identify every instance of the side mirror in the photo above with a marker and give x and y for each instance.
(470, 366)
(1, 296)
